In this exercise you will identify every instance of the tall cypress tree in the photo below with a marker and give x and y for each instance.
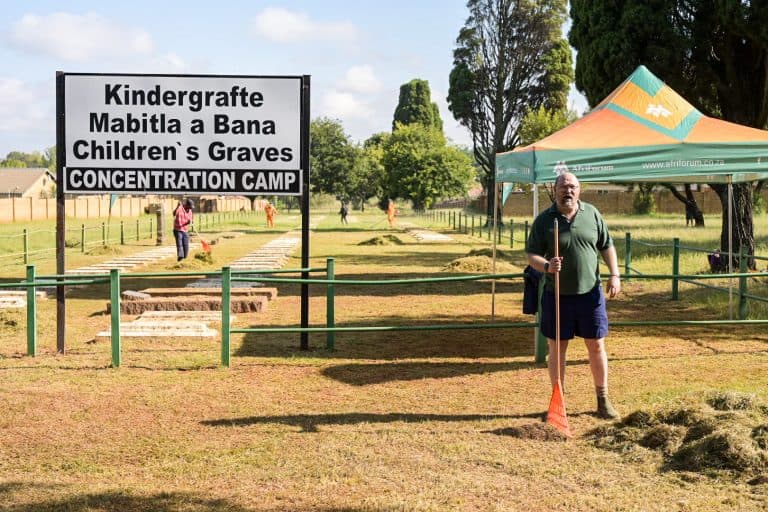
(416, 106)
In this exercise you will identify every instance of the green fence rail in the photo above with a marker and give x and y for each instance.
(228, 276)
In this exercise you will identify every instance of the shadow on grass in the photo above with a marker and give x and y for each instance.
(310, 422)
(116, 500)
(367, 374)
(386, 345)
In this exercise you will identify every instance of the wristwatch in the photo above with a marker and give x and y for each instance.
(546, 267)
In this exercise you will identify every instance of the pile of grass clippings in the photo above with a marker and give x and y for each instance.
(488, 251)
(101, 250)
(480, 265)
(534, 431)
(205, 257)
(382, 240)
(200, 260)
(728, 432)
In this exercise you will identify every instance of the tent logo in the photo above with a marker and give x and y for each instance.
(560, 168)
(657, 110)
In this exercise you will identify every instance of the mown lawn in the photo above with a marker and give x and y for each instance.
(388, 421)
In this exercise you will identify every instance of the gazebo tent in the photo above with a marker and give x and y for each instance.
(643, 131)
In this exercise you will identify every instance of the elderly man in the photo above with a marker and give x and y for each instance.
(583, 235)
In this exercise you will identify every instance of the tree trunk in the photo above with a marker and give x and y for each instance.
(742, 226)
(690, 204)
(490, 197)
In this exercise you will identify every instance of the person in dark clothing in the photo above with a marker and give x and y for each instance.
(689, 217)
(343, 212)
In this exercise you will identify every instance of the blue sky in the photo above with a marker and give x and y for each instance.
(358, 53)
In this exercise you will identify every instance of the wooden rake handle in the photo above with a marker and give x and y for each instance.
(557, 301)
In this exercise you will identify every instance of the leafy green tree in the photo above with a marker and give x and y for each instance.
(332, 157)
(509, 57)
(416, 106)
(21, 159)
(13, 163)
(50, 157)
(422, 168)
(713, 52)
(368, 175)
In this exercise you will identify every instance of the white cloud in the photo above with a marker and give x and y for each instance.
(361, 79)
(75, 37)
(343, 105)
(285, 26)
(24, 106)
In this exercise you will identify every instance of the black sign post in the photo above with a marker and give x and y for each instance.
(304, 343)
(61, 324)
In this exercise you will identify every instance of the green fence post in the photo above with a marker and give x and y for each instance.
(742, 283)
(82, 238)
(473, 225)
(542, 347)
(103, 234)
(330, 321)
(675, 267)
(114, 304)
(627, 255)
(31, 313)
(226, 307)
(511, 233)
(26, 246)
(151, 229)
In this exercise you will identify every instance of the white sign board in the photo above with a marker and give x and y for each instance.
(220, 135)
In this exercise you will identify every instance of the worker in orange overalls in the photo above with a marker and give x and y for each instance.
(391, 212)
(271, 211)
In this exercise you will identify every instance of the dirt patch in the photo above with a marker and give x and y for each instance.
(534, 431)
(480, 265)
(102, 250)
(727, 432)
(382, 240)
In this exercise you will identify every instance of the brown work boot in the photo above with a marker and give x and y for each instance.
(605, 409)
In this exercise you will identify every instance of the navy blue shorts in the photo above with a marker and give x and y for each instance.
(580, 315)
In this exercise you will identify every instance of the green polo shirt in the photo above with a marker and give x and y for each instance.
(581, 241)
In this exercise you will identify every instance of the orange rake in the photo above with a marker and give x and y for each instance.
(556, 415)
(205, 245)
